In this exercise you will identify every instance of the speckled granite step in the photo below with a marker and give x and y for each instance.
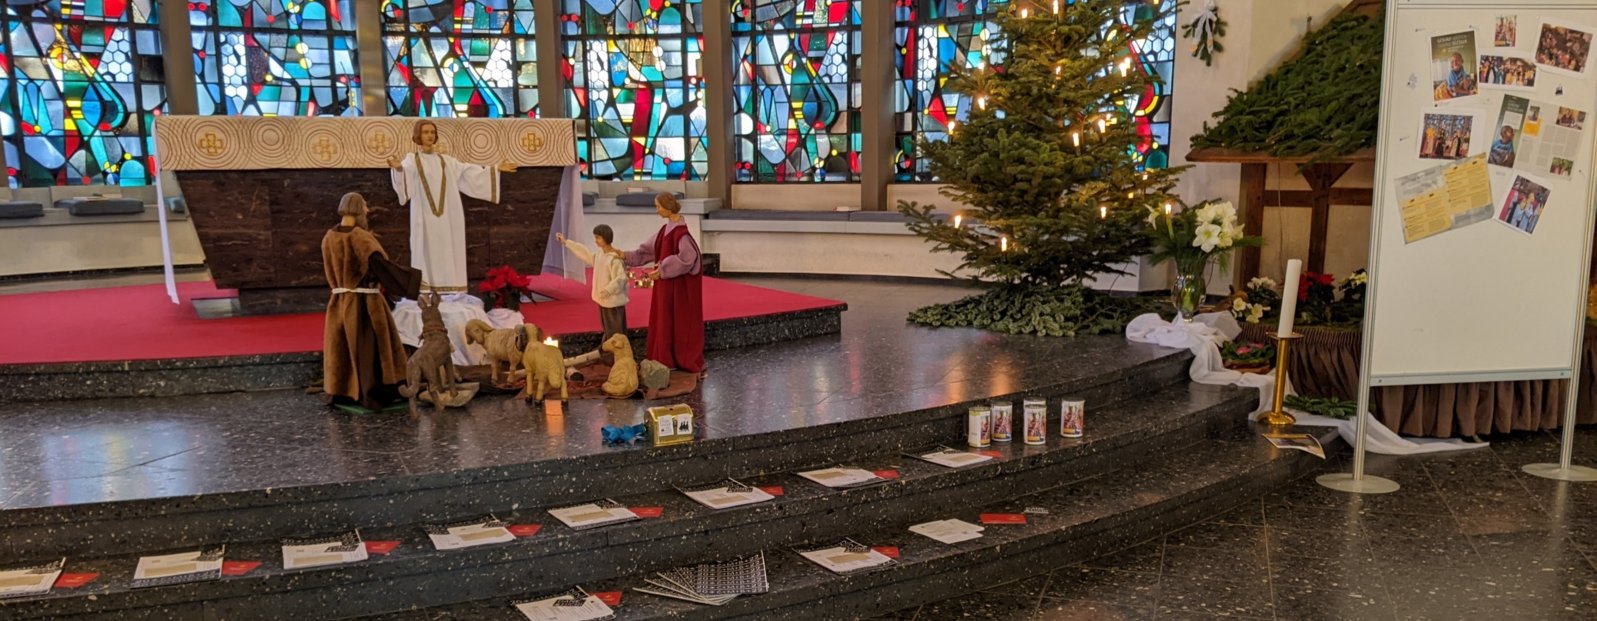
(1084, 519)
(1122, 436)
(572, 477)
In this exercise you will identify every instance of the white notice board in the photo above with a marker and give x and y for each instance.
(1464, 289)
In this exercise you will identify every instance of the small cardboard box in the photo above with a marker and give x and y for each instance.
(671, 424)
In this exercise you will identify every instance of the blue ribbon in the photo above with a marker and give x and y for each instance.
(624, 435)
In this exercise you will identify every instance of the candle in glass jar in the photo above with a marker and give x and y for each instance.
(1289, 297)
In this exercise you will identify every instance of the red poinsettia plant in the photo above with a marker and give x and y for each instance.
(505, 287)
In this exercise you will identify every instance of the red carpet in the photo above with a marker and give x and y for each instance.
(140, 323)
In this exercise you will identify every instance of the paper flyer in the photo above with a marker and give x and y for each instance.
(1453, 64)
(195, 566)
(594, 514)
(727, 495)
(1443, 198)
(953, 458)
(1522, 207)
(1563, 48)
(846, 557)
(30, 580)
(337, 550)
(576, 605)
(948, 531)
(1537, 137)
(465, 534)
(1297, 442)
(842, 477)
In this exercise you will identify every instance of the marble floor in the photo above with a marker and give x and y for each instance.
(1468, 537)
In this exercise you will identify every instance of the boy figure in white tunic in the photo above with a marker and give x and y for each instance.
(432, 183)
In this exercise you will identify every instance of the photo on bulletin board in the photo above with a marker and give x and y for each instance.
(1563, 48)
(1510, 72)
(1507, 31)
(1523, 206)
(1537, 137)
(1446, 135)
(1453, 64)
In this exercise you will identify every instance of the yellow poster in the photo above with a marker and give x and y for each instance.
(1440, 199)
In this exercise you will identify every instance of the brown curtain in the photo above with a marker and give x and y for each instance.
(1325, 364)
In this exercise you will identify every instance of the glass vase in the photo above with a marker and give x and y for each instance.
(1187, 293)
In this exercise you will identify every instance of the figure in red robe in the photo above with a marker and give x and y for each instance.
(676, 313)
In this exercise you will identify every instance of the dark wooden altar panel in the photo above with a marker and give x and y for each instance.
(262, 229)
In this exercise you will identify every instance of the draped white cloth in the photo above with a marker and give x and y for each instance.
(457, 309)
(1203, 337)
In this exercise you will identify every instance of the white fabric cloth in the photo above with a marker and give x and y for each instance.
(1203, 337)
(438, 242)
(609, 275)
(457, 309)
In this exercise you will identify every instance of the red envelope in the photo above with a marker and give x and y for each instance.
(381, 547)
(774, 490)
(73, 581)
(1003, 518)
(648, 512)
(887, 474)
(610, 598)
(238, 568)
(887, 551)
(524, 530)
(992, 454)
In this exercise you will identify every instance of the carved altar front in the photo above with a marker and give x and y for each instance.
(263, 190)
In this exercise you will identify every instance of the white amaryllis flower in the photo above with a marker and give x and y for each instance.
(1227, 211)
(1262, 282)
(1239, 304)
(1153, 217)
(1256, 312)
(1207, 237)
(1358, 278)
(1209, 213)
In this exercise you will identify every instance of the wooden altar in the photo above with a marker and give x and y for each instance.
(263, 190)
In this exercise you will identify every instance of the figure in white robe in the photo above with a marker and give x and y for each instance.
(431, 183)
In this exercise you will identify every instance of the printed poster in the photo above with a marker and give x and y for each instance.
(1537, 137)
(1564, 48)
(1508, 72)
(1443, 198)
(1447, 133)
(1507, 31)
(1522, 207)
(1453, 65)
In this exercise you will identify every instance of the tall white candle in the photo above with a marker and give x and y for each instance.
(1289, 297)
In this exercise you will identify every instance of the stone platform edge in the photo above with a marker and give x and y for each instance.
(171, 377)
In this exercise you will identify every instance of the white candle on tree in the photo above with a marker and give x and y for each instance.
(1289, 297)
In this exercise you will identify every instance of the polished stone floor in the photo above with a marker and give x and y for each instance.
(1468, 537)
(73, 452)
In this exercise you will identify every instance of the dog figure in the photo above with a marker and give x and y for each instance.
(623, 379)
(504, 346)
(432, 359)
(545, 367)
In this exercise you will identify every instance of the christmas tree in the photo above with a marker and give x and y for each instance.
(1056, 193)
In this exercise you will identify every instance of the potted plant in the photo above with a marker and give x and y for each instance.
(505, 287)
(1193, 240)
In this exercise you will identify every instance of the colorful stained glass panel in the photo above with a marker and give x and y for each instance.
(276, 57)
(796, 90)
(85, 82)
(634, 75)
(473, 58)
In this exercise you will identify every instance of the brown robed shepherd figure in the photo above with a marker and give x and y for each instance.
(363, 360)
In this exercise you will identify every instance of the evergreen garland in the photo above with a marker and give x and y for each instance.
(1325, 103)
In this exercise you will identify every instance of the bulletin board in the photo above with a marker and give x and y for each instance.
(1484, 192)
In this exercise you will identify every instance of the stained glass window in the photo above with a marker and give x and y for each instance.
(935, 36)
(461, 58)
(634, 74)
(796, 90)
(275, 57)
(83, 80)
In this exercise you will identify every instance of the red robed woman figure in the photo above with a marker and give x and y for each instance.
(676, 312)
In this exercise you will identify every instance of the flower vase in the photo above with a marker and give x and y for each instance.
(1187, 294)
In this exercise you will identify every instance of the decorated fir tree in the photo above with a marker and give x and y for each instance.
(1047, 167)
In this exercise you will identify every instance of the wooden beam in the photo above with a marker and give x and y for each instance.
(1238, 156)
(1252, 197)
(1305, 198)
(1321, 177)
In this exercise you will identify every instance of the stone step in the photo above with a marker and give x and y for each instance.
(1084, 519)
(110, 528)
(1120, 436)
